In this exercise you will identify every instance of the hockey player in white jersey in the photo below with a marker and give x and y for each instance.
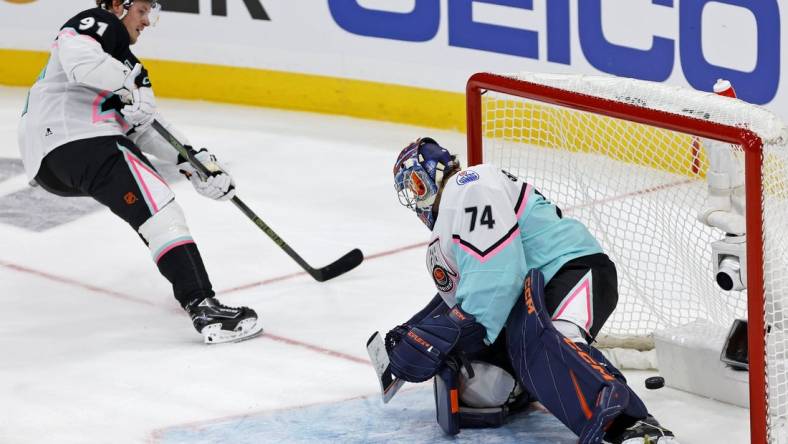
(522, 292)
(85, 130)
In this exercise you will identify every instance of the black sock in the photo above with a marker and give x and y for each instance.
(183, 267)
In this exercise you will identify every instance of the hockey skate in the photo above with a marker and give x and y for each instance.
(219, 323)
(645, 431)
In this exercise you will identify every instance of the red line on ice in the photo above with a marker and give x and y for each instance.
(69, 281)
(303, 273)
(423, 244)
(115, 294)
(315, 348)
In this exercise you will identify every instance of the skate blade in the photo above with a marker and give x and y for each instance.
(246, 329)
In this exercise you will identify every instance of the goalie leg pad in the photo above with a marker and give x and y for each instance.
(482, 417)
(560, 374)
(451, 412)
(446, 387)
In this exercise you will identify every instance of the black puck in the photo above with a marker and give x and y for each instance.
(655, 382)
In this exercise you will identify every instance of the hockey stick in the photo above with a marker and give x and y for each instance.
(342, 265)
(389, 384)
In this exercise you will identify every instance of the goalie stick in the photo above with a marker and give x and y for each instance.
(389, 384)
(342, 265)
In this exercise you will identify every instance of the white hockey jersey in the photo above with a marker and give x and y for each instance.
(491, 229)
(72, 98)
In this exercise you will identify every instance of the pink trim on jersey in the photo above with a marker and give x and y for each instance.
(519, 211)
(585, 286)
(99, 116)
(134, 162)
(167, 249)
(489, 255)
(68, 32)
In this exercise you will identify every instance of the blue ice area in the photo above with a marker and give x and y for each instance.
(409, 417)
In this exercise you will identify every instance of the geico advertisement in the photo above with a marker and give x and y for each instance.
(438, 43)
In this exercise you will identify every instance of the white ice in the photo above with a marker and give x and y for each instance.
(94, 348)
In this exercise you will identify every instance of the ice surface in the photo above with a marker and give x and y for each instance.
(94, 348)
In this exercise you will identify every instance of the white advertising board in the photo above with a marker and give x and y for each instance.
(437, 44)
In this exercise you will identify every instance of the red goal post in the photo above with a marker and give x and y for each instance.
(508, 110)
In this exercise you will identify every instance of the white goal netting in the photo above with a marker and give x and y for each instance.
(640, 187)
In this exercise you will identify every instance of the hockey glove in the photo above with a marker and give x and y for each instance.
(394, 336)
(436, 306)
(129, 85)
(141, 111)
(219, 185)
(425, 347)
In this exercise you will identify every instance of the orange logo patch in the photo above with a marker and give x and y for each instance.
(589, 360)
(130, 198)
(442, 279)
(419, 340)
(529, 299)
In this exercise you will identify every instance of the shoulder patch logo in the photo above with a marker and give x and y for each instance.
(130, 198)
(466, 176)
(441, 278)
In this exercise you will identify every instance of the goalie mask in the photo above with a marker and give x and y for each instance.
(418, 173)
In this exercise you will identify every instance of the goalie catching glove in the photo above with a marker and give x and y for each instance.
(418, 352)
(219, 185)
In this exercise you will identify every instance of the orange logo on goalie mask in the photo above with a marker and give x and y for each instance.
(417, 186)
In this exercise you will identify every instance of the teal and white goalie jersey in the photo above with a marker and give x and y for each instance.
(491, 229)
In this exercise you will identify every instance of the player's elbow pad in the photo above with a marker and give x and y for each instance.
(426, 346)
(108, 75)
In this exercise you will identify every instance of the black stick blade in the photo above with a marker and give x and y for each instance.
(340, 266)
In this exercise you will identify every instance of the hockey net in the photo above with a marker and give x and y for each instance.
(628, 158)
